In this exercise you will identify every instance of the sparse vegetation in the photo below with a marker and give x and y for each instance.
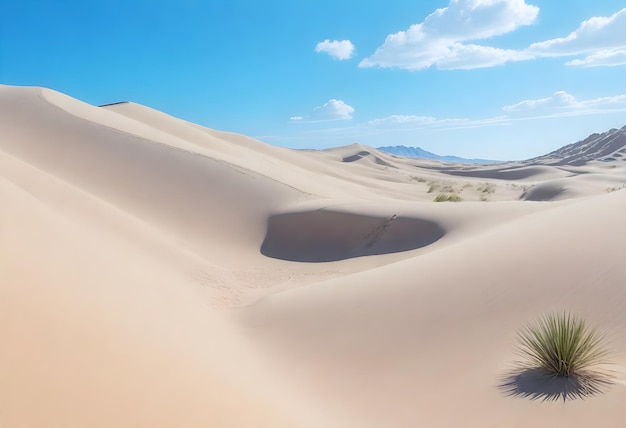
(434, 185)
(615, 188)
(561, 344)
(418, 179)
(440, 186)
(522, 187)
(487, 188)
(446, 197)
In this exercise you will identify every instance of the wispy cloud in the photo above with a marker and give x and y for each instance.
(340, 50)
(558, 100)
(408, 122)
(329, 111)
(605, 58)
(559, 104)
(445, 39)
(562, 103)
(441, 40)
(599, 36)
(403, 119)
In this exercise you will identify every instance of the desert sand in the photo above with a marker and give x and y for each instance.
(157, 273)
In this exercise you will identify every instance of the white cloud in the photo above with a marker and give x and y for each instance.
(595, 35)
(617, 100)
(444, 39)
(559, 99)
(563, 103)
(337, 49)
(411, 122)
(402, 119)
(470, 56)
(560, 103)
(440, 39)
(606, 58)
(332, 110)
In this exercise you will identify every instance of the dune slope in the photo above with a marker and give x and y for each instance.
(427, 340)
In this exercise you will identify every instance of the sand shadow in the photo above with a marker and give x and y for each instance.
(327, 235)
(536, 384)
(363, 154)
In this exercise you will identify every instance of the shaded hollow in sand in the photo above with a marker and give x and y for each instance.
(326, 235)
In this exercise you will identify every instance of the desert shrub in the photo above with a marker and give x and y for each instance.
(561, 344)
(487, 188)
(444, 197)
(615, 188)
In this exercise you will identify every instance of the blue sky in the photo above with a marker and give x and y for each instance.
(499, 79)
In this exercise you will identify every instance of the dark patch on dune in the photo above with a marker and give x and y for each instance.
(365, 154)
(545, 192)
(325, 236)
(515, 173)
(356, 156)
(114, 104)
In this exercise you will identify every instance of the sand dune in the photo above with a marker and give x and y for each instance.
(96, 331)
(417, 342)
(154, 272)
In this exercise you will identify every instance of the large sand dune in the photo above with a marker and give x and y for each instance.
(156, 273)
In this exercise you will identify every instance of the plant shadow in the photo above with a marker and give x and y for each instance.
(536, 384)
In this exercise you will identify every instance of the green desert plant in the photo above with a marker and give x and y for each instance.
(561, 344)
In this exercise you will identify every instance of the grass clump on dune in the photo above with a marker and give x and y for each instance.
(561, 344)
(443, 197)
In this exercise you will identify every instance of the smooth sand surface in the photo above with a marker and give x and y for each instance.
(156, 273)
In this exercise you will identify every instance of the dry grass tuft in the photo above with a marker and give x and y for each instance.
(444, 197)
(561, 344)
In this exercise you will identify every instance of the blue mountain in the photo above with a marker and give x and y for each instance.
(417, 152)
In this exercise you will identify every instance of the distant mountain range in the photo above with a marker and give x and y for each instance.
(608, 146)
(417, 152)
